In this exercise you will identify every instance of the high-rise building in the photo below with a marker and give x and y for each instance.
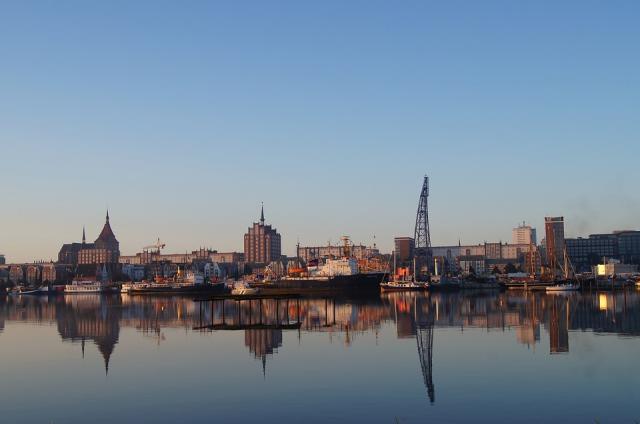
(523, 234)
(554, 233)
(404, 248)
(2, 260)
(262, 243)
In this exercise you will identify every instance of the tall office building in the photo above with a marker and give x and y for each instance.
(262, 243)
(523, 234)
(404, 248)
(554, 233)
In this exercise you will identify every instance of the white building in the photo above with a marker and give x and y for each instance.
(523, 234)
(614, 267)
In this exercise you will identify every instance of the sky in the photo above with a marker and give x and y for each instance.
(182, 117)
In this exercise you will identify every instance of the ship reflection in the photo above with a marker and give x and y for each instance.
(525, 316)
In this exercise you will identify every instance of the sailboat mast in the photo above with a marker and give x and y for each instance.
(394, 264)
(415, 278)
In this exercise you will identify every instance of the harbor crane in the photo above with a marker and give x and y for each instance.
(155, 247)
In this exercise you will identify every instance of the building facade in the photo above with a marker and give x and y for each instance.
(404, 248)
(54, 273)
(16, 274)
(585, 253)
(262, 243)
(555, 243)
(105, 250)
(523, 234)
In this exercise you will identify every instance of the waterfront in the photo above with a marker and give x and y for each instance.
(499, 357)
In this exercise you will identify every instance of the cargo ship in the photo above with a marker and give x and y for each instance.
(334, 275)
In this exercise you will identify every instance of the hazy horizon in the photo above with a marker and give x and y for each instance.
(183, 119)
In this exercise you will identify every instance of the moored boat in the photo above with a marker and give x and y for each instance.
(39, 291)
(177, 288)
(401, 280)
(243, 289)
(84, 286)
(403, 286)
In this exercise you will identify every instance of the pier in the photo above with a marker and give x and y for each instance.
(273, 313)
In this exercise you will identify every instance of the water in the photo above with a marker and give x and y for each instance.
(403, 357)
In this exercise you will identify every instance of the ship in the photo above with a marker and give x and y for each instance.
(171, 289)
(191, 283)
(334, 275)
(401, 280)
(87, 286)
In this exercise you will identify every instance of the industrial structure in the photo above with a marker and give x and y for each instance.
(424, 340)
(422, 236)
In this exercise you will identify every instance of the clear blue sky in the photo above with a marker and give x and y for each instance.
(182, 117)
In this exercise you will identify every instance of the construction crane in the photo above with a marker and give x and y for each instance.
(157, 247)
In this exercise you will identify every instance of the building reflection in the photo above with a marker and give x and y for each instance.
(82, 319)
(559, 325)
(263, 343)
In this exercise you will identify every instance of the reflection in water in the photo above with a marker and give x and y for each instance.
(88, 317)
(98, 319)
(559, 325)
(424, 338)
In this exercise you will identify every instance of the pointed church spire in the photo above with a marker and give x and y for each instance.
(262, 214)
(107, 215)
(84, 238)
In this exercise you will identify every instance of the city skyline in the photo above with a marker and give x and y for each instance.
(333, 242)
(182, 120)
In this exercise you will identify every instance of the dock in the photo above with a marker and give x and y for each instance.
(249, 312)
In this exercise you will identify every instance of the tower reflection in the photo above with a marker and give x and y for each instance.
(82, 319)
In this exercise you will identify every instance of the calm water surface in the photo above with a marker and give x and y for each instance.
(403, 357)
